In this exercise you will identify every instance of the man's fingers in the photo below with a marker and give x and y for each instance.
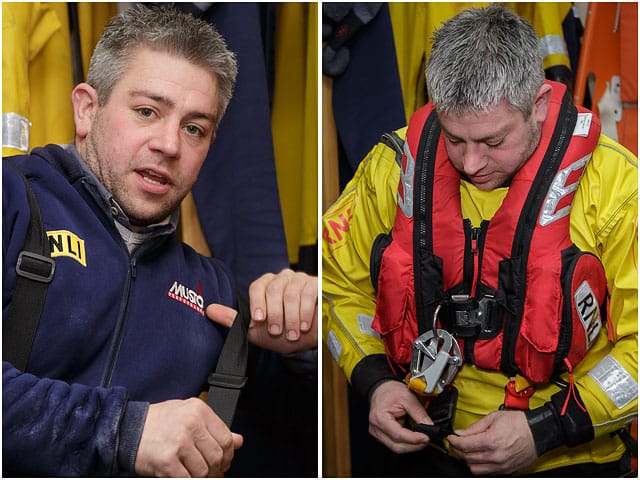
(257, 297)
(221, 314)
(309, 305)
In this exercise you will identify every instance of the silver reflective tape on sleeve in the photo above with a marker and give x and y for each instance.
(15, 131)
(334, 345)
(550, 44)
(364, 323)
(615, 381)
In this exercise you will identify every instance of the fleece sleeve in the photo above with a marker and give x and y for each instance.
(52, 428)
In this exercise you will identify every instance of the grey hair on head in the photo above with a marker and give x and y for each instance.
(481, 57)
(163, 29)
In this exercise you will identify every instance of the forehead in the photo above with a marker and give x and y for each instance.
(495, 121)
(170, 75)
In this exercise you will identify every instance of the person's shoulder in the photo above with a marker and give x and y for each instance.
(610, 155)
(610, 181)
(382, 164)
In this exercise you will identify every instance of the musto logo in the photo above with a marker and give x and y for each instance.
(191, 298)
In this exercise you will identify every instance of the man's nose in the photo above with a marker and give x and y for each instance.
(474, 159)
(166, 139)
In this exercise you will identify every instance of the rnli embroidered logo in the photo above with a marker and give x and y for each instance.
(336, 225)
(64, 243)
(187, 296)
(588, 311)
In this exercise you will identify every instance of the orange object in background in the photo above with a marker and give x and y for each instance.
(608, 69)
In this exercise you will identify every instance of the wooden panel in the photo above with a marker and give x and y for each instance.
(336, 451)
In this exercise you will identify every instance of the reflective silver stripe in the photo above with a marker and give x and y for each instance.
(334, 345)
(15, 131)
(550, 44)
(364, 324)
(615, 381)
(405, 198)
(558, 190)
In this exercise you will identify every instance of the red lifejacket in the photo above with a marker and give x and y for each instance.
(517, 293)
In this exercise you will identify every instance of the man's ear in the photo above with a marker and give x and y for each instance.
(541, 103)
(85, 104)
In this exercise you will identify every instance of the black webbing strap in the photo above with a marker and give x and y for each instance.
(226, 383)
(34, 269)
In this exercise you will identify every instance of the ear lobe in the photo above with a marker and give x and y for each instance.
(541, 103)
(85, 103)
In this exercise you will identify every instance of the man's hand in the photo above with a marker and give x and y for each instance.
(390, 403)
(284, 312)
(499, 443)
(184, 438)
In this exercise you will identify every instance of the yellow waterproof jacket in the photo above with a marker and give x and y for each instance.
(603, 221)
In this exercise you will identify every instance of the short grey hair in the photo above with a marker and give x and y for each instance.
(481, 57)
(164, 29)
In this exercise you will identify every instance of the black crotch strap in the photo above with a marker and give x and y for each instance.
(34, 269)
(226, 383)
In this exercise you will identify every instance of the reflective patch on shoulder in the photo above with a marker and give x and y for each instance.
(615, 381)
(334, 345)
(553, 45)
(364, 323)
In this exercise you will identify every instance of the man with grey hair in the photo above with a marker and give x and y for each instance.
(480, 274)
(124, 346)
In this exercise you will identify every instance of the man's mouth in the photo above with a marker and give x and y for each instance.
(153, 177)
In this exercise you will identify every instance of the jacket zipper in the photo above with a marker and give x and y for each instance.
(119, 329)
(473, 255)
(475, 235)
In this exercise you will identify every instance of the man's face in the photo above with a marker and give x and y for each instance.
(148, 143)
(490, 148)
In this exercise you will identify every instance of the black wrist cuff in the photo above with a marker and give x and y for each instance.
(369, 372)
(576, 422)
(546, 428)
(551, 428)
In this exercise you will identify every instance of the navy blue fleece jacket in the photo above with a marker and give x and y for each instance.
(118, 331)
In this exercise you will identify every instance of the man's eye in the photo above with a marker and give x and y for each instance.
(194, 130)
(145, 112)
(494, 144)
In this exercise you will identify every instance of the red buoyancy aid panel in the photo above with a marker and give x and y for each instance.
(529, 270)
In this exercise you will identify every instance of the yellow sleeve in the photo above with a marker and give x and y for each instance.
(366, 208)
(604, 222)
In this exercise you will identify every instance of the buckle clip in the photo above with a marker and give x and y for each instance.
(35, 266)
(227, 380)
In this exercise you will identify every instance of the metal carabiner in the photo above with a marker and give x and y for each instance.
(435, 361)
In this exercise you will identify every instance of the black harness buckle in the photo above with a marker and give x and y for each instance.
(468, 317)
(35, 266)
(225, 380)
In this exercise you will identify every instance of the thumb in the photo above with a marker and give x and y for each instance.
(475, 428)
(238, 440)
(417, 412)
(221, 314)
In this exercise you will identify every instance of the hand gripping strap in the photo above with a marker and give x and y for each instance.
(226, 383)
(35, 269)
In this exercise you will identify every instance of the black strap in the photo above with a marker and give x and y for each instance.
(226, 383)
(35, 269)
